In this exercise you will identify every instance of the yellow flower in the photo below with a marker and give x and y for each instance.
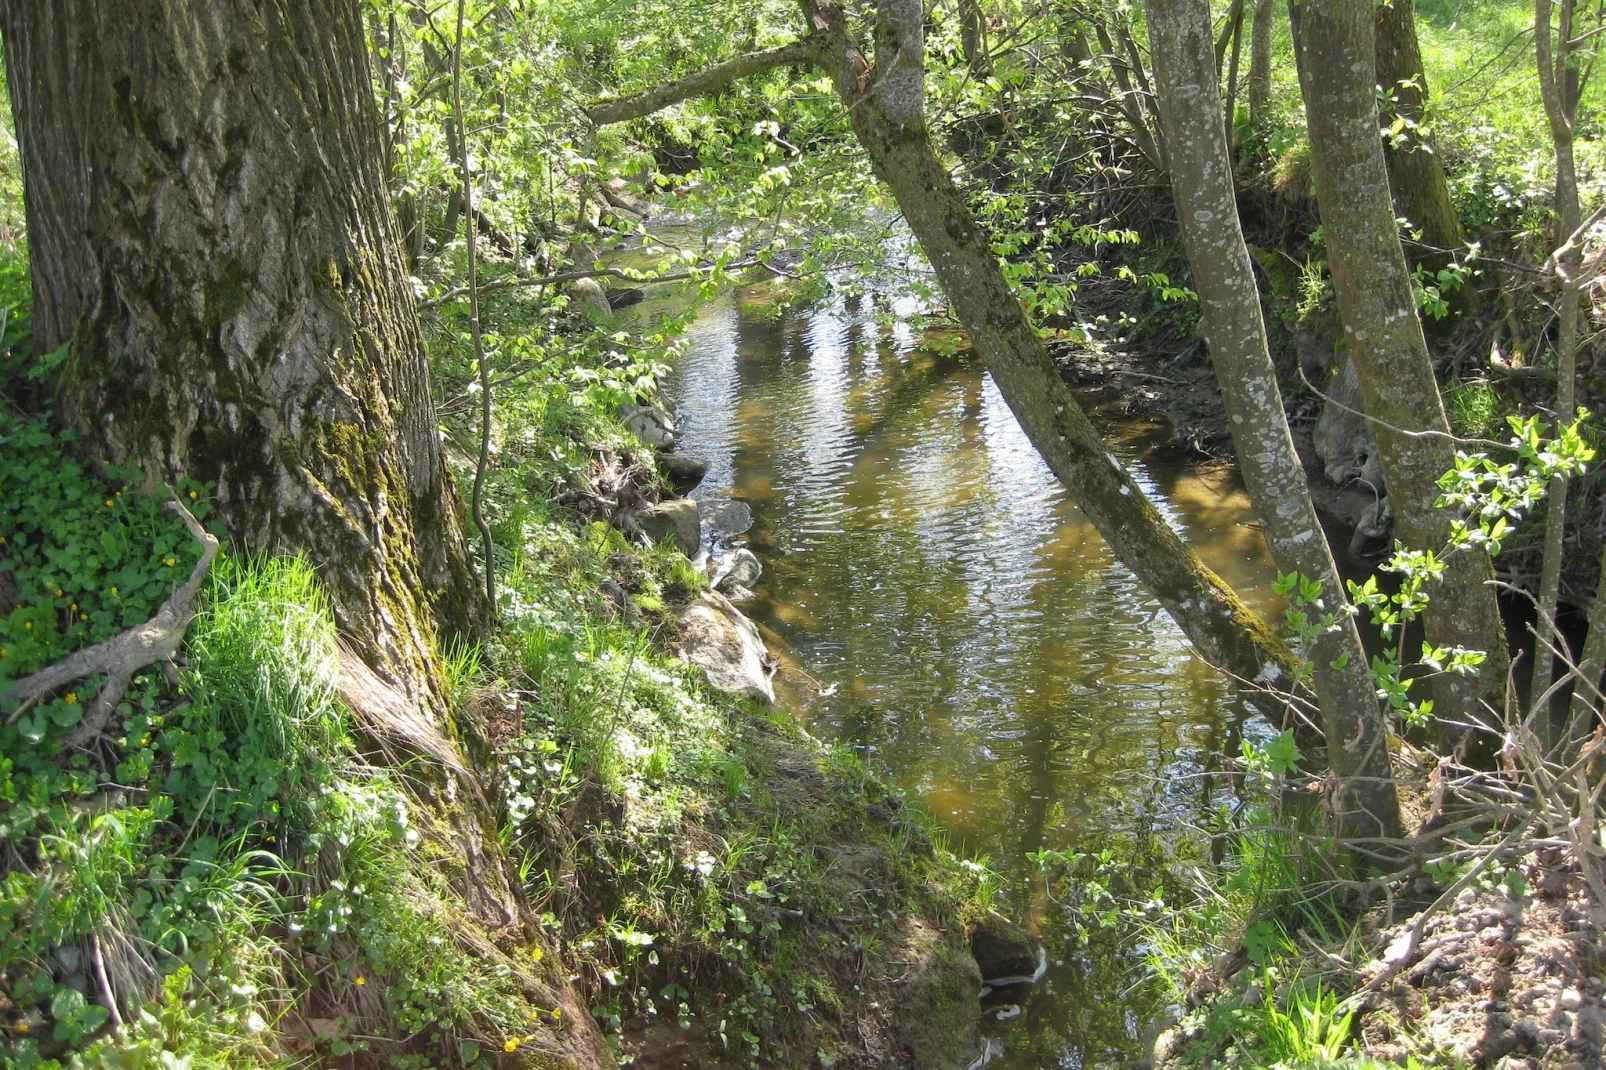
(109, 503)
(511, 1044)
(27, 625)
(556, 1014)
(71, 698)
(83, 616)
(2, 540)
(114, 592)
(192, 495)
(22, 1027)
(170, 561)
(4, 653)
(361, 980)
(537, 954)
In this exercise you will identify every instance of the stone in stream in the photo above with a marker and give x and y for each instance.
(590, 298)
(726, 518)
(683, 472)
(717, 638)
(1005, 952)
(736, 571)
(653, 424)
(677, 517)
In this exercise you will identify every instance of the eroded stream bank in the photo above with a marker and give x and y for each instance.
(938, 601)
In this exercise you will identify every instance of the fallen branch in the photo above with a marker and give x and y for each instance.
(126, 653)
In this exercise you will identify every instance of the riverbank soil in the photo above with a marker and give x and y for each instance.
(1506, 977)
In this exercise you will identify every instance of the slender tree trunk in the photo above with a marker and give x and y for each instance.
(971, 38)
(1260, 62)
(1561, 102)
(1416, 174)
(1586, 707)
(1232, 71)
(1207, 209)
(207, 216)
(1384, 336)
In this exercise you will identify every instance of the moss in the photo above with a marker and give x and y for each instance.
(223, 293)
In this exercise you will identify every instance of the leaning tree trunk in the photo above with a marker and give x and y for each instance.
(1384, 336)
(1416, 174)
(889, 121)
(1207, 210)
(208, 224)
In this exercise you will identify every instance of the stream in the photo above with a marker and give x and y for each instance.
(939, 602)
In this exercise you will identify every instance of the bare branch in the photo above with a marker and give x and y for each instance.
(622, 109)
(124, 654)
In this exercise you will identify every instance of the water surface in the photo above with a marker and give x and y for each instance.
(939, 601)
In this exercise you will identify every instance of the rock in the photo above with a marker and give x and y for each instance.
(1373, 530)
(653, 424)
(735, 570)
(938, 1013)
(726, 518)
(683, 472)
(1342, 439)
(69, 957)
(618, 299)
(1005, 953)
(715, 637)
(588, 296)
(677, 517)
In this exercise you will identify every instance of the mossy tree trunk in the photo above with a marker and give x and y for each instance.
(1260, 32)
(1384, 336)
(1416, 174)
(1207, 210)
(886, 109)
(208, 224)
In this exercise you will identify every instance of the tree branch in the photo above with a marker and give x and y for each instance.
(121, 656)
(622, 109)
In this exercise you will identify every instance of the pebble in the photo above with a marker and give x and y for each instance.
(1570, 1000)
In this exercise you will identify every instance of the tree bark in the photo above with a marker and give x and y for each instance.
(1260, 34)
(1561, 104)
(207, 216)
(1587, 709)
(1416, 174)
(1384, 337)
(1207, 210)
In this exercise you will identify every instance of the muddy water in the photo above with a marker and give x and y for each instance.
(940, 602)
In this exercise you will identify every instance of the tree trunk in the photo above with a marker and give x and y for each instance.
(1561, 105)
(1589, 710)
(971, 38)
(889, 122)
(1207, 209)
(1260, 62)
(208, 223)
(1416, 174)
(1384, 336)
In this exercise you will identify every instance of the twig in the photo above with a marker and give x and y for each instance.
(106, 995)
(124, 654)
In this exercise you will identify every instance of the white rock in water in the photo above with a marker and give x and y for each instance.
(650, 423)
(590, 298)
(737, 569)
(717, 638)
